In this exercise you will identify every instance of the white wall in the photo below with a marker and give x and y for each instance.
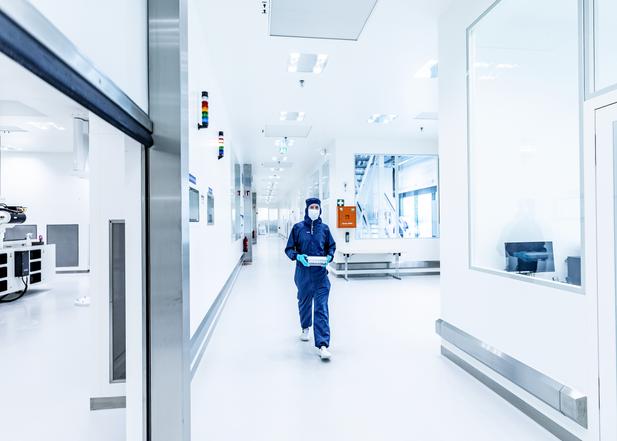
(342, 186)
(113, 34)
(213, 252)
(549, 329)
(46, 184)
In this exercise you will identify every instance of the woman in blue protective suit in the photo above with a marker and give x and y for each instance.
(312, 237)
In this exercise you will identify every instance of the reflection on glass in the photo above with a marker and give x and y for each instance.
(524, 127)
(605, 40)
(397, 196)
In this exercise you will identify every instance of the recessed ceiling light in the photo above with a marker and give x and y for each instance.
(292, 116)
(307, 63)
(429, 70)
(380, 118)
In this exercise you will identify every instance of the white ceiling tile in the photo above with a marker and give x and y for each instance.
(338, 20)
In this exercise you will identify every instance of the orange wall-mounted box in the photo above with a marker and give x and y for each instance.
(346, 217)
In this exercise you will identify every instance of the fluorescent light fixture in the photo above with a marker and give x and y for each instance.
(487, 78)
(380, 118)
(322, 60)
(46, 125)
(429, 70)
(307, 63)
(292, 116)
(506, 66)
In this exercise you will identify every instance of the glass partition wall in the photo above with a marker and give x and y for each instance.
(604, 44)
(525, 140)
(397, 196)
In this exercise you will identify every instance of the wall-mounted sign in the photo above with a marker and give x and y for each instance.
(340, 202)
(192, 179)
(346, 217)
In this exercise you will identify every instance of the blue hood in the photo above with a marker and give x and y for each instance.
(309, 202)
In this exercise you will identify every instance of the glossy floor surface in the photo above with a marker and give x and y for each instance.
(48, 356)
(386, 380)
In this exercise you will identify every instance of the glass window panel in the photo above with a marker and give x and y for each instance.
(525, 138)
(605, 40)
(397, 196)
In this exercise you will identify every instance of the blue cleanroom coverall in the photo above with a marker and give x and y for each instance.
(312, 238)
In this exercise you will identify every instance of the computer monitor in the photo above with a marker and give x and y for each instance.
(530, 257)
(20, 232)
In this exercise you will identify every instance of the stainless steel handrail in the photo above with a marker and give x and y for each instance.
(560, 397)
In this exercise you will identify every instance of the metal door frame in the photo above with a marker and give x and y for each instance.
(168, 224)
(602, 112)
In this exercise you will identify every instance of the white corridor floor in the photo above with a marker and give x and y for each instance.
(386, 381)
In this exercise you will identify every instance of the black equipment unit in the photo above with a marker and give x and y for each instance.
(22, 263)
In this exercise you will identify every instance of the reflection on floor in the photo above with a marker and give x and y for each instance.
(386, 380)
(47, 360)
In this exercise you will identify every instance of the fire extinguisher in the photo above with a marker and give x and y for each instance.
(245, 244)
(253, 234)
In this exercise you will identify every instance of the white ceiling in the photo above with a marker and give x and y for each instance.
(372, 75)
(41, 112)
(341, 19)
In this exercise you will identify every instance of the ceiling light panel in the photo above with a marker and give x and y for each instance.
(320, 18)
(382, 118)
(427, 116)
(307, 63)
(292, 116)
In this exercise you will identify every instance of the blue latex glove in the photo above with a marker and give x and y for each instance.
(303, 259)
(328, 260)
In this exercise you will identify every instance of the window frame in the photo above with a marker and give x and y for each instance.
(584, 72)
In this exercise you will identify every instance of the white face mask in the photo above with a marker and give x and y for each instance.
(313, 213)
